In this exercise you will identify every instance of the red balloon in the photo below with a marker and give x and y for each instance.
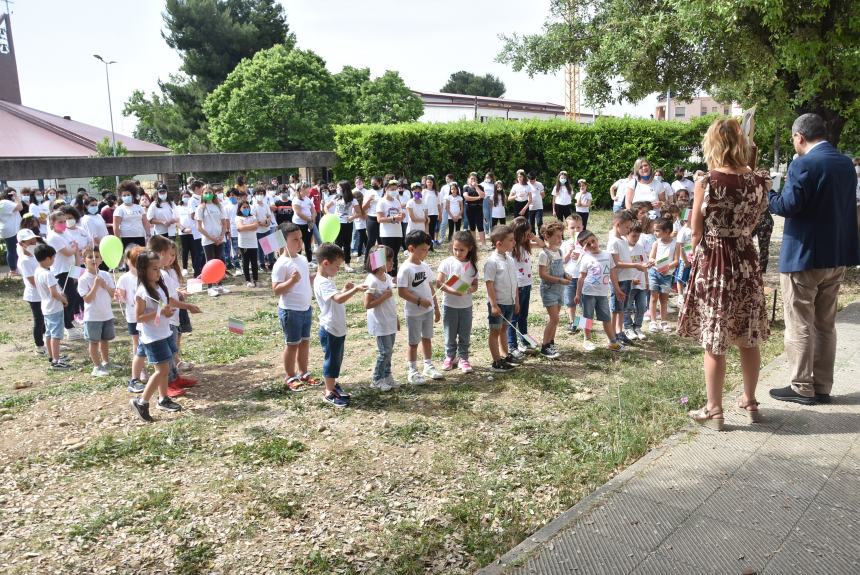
(213, 272)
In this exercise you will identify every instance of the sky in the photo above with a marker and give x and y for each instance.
(424, 41)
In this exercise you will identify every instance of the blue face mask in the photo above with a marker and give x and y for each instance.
(234, 201)
(93, 209)
(127, 200)
(246, 212)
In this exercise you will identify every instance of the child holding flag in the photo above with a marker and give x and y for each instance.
(500, 275)
(97, 288)
(553, 281)
(381, 309)
(332, 319)
(619, 248)
(596, 273)
(664, 259)
(457, 279)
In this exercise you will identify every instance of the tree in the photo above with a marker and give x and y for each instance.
(281, 99)
(463, 82)
(387, 100)
(212, 37)
(787, 55)
(105, 150)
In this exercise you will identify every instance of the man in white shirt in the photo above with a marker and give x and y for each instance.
(682, 182)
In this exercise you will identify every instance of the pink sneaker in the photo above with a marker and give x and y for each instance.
(465, 366)
(449, 364)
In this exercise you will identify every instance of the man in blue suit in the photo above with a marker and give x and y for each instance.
(818, 242)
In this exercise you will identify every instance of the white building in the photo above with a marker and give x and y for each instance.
(441, 107)
(701, 105)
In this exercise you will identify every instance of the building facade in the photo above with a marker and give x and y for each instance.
(697, 107)
(441, 107)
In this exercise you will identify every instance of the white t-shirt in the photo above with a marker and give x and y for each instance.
(40, 212)
(638, 256)
(685, 184)
(431, 200)
(498, 208)
(571, 268)
(451, 266)
(417, 279)
(27, 266)
(643, 192)
(62, 263)
(562, 195)
(536, 191)
(521, 192)
(306, 205)
(79, 235)
(298, 297)
(621, 187)
(404, 197)
(454, 205)
(99, 309)
(622, 248)
(388, 208)
(10, 219)
(646, 241)
(261, 212)
(163, 214)
(95, 226)
(666, 251)
(211, 215)
(185, 213)
(583, 197)
(247, 239)
(524, 269)
(344, 211)
(131, 225)
(382, 319)
(332, 314)
(230, 210)
(171, 280)
(44, 280)
(596, 268)
(420, 211)
(127, 282)
(502, 271)
(154, 329)
(373, 196)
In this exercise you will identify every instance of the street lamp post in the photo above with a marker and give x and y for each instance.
(110, 105)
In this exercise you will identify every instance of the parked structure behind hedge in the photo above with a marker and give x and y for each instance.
(601, 153)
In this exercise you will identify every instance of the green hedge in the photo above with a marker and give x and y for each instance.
(600, 153)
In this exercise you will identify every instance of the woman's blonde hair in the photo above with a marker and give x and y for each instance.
(725, 145)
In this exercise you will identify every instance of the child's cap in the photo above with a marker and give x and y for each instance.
(416, 185)
(25, 235)
(581, 181)
(393, 183)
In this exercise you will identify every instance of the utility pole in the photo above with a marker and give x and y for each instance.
(571, 73)
(110, 105)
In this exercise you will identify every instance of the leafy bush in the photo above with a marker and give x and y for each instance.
(601, 153)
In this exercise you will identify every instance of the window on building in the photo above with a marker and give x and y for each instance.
(714, 109)
(680, 111)
(726, 111)
(704, 110)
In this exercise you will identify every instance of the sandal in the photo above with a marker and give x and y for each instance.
(294, 384)
(710, 419)
(310, 381)
(751, 408)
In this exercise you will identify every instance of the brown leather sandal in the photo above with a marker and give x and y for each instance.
(710, 419)
(753, 414)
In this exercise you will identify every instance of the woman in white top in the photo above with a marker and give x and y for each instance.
(129, 219)
(212, 224)
(521, 194)
(416, 209)
(583, 202)
(304, 215)
(343, 205)
(643, 188)
(562, 196)
(10, 223)
(390, 215)
(162, 215)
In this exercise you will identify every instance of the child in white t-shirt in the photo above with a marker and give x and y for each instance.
(415, 286)
(97, 288)
(637, 302)
(571, 251)
(382, 322)
(664, 259)
(685, 243)
(126, 285)
(596, 274)
(52, 301)
(416, 208)
(457, 299)
(583, 202)
(27, 266)
(332, 319)
(246, 228)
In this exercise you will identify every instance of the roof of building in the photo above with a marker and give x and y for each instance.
(29, 133)
(443, 99)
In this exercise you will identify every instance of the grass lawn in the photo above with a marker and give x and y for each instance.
(249, 478)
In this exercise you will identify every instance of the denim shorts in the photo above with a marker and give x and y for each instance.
(54, 325)
(614, 305)
(296, 325)
(551, 294)
(99, 330)
(660, 283)
(132, 331)
(570, 293)
(496, 321)
(160, 351)
(419, 327)
(683, 274)
(596, 307)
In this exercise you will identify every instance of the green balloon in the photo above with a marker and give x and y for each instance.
(329, 227)
(110, 248)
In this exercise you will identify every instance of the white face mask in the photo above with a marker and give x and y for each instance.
(562, 180)
(162, 197)
(71, 224)
(27, 250)
(658, 179)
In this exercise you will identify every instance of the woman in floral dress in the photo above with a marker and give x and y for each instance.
(725, 304)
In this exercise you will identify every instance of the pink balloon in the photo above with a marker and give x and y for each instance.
(213, 272)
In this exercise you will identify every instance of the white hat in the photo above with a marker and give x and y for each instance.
(25, 234)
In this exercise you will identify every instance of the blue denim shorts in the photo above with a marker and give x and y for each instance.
(614, 305)
(570, 293)
(682, 273)
(596, 307)
(160, 351)
(660, 283)
(496, 321)
(551, 294)
(296, 325)
(54, 325)
(132, 331)
(99, 330)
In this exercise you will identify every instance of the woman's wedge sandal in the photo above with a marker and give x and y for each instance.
(710, 419)
(751, 409)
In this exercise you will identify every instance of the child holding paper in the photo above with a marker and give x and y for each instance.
(126, 285)
(637, 303)
(457, 279)
(500, 275)
(571, 252)
(52, 303)
(553, 281)
(619, 249)
(596, 273)
(664, 260)
(97, 288)
(381, 309)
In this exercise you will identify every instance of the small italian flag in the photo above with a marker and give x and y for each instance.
(236, 326)
(662, 264)
(688, 252)
(584, 323)
(457, 284)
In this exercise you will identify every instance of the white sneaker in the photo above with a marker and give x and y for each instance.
(381, 385)
(223, 290)
(667, 328)
(631, 334)
(312, 266)
(40, 350)
(589, 346)
(638, 333)
(348, 269)
(99, 371)
(249, 284)
(74, 334)
(679, 301)
(654, 327)
(184, 366)
(392, 382)
(414, 377)
(185, 273)
(431, 372)
(213, 292)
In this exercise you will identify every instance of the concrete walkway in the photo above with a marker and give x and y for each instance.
(780, 497)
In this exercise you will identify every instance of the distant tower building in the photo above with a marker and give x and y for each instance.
(10, 90)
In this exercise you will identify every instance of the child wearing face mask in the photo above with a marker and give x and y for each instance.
(162, 215)
(246, 226)
(188, 231)
(93, 222)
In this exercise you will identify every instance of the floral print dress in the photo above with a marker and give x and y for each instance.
(725, 304)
